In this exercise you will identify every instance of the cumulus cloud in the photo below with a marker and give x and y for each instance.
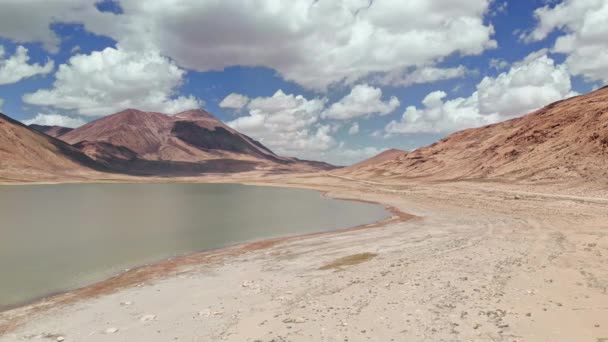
(529, 84)
(234, 101)
(344, 156)
(16, 68)
(55, 120)
(287, 123)
(363, 100)
(313, 43)
(107, 81)
(31, 21)
(354, 129)
(422, 75)
(583, 41)
(439, 116)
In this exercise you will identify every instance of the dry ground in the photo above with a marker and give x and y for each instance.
(481, 262)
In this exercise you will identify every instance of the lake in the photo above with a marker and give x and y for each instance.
(55, 238)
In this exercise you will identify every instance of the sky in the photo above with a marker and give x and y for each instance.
(331, 80)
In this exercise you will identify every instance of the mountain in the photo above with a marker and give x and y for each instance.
(54, 131)
(26, 154)
(377, 159)
(192, 138)
(566, 140)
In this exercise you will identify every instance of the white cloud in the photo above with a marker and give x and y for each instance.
(354, 129)
(439, 116)
(498, 64)
(55, 120)
(363, 100)
(314, 43)
(583, 41)
(107, 81)
(422, 75)
(30, 21)
(343, 156)
(288, 124)
(234, 101)
(16, 68)
(530, 84)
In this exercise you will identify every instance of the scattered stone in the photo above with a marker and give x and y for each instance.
(125, 303)
(297, 320)
(60, 339)
(529, 314)
(111, 331)
(147, 318)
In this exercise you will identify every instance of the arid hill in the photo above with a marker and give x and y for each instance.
(193, 136)
(26, 154)
(137, 143)
(54, 131)
(564, 141)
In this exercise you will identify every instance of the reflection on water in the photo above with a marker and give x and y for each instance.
(59, 237)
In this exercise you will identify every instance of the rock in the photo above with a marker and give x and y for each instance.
(60, 339)
(147, 318)
(298, 320)
(111, 331)
(126, 303)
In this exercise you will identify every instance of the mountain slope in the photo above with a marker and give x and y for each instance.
(566, 140)
(54, 131)
(26, 154)
(193, 136)
(190, 136)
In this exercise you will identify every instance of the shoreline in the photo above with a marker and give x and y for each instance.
(161, 269)
(499, 263)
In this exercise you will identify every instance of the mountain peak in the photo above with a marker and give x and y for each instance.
(194, 114)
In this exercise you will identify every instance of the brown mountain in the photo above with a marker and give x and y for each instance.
(54, 131)
(187, 138)
(566, 140)
(26, 154)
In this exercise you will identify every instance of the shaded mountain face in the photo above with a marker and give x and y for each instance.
(54, 131)
(566, 140)
(26, 154)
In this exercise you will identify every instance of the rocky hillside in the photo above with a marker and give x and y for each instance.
(26, 154)
(566, 140)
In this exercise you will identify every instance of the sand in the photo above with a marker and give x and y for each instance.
(479, 262)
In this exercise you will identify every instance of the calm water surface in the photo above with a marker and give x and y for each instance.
(60, 237)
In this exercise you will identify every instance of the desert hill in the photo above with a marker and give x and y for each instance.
(193, 136)
(26, 154)
(566, 140)
(137, 143)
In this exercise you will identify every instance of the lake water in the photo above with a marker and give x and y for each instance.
(59, 237)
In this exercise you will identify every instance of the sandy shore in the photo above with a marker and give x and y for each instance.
(481, 262)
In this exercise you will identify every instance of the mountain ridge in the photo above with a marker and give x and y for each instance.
(565, 140)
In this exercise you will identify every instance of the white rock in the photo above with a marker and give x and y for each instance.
(111, 330)
(126, 303)
(146, 318)
(60, 339)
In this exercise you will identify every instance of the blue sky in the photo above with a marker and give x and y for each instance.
(331, 80)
